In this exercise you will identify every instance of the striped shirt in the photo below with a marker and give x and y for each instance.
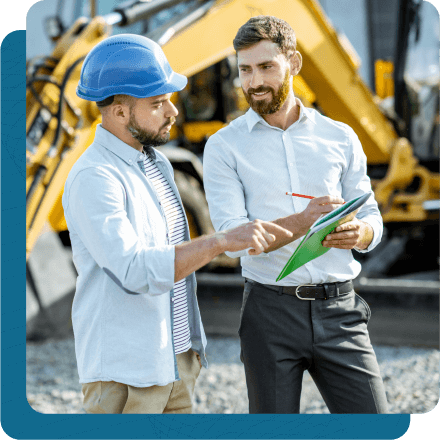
(176, 229)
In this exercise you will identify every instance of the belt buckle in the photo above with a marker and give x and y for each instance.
(300, 297)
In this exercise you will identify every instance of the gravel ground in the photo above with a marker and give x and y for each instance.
(411, 377)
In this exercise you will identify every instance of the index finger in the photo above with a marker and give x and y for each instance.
(325, 200)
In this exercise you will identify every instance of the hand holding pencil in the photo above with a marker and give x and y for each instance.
(318, 206)
(300, 195)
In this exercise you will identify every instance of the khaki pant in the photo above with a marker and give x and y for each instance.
(118, 398)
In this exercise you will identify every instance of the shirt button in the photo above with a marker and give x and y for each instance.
(291, 164)
(130, 161)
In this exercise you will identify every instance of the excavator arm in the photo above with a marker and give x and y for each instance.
(329, 73)
(60, 125)
(328, 79)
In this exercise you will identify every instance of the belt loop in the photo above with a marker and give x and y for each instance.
(337, 289)
(280, 290)
(325, 291)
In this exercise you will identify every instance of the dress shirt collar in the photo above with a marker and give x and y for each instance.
(124, 151)
(252, 117)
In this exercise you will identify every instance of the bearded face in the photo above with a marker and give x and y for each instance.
(275, 100)
(146, 137)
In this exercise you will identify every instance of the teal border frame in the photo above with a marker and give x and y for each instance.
(19, 420)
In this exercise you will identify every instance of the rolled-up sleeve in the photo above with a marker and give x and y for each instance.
(355, 182)
(100, 220)
(224, 190)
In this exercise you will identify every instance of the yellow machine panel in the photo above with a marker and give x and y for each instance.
(62, 128)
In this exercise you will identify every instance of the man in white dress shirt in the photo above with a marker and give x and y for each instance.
(139, 339)
(312, 319)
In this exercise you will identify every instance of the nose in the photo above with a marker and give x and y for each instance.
(171, 110)
(256, 79)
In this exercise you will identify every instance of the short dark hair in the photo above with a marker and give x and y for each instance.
(266, 27)
(117, 99)
(105, 102)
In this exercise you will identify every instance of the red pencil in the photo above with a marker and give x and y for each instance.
(299, 195)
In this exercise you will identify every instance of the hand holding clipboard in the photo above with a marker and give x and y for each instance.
(311, 246)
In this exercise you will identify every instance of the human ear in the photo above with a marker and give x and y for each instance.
(121, 113)
(295, 63)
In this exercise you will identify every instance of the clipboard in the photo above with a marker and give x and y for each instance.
(310, 246)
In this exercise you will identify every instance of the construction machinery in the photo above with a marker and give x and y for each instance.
(196, 36)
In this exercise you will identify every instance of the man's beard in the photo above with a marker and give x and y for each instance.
(147, 138)
(278, 99)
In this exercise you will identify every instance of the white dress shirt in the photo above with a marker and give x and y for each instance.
(248, 167)
(122, 311)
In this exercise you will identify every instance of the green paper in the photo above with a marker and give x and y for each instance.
(310, 246)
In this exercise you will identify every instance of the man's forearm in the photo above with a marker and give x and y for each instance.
(299, 224)
(192, 255)
(295, 223)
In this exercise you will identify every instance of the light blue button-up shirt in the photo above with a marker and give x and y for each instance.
(250, 165)
(122, 311)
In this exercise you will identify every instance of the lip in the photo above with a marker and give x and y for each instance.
(167, 127)
(262, 96)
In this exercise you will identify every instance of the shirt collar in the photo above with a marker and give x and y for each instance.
(252, 118)
(124, 151)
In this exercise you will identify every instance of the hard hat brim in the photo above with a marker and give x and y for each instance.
(176, 82)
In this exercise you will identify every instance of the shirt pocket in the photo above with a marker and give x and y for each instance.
(148, 221)
(322, 177)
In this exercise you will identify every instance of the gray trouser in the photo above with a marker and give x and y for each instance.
(281, 336)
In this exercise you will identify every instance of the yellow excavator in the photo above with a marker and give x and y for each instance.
(196, 36)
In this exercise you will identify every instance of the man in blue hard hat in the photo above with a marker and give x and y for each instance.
(139, 339)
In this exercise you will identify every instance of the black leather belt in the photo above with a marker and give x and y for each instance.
(311, 291)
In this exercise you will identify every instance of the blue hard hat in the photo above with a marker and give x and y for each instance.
(127, 64)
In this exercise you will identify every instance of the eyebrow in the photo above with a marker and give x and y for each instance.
(264, 63)
(159, 100)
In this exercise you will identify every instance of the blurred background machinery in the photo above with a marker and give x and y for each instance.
(371, 64)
